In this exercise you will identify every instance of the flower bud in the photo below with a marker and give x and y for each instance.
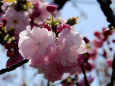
(51, 8)
(86, 39)
(72, 21)
(4, 20)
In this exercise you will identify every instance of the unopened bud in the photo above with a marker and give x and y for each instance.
(72, 21)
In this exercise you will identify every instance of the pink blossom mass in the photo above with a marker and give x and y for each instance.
(17, 20)
(48, 53)
(39, 13)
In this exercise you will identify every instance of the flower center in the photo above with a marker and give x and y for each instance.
(15, 21)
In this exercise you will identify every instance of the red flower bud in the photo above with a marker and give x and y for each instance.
(9, 45)
(51, 8)
(10, 53)
(4, 20)
(85, 39)
(12, 61)
(97, 34)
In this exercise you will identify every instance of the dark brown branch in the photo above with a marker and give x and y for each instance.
(105, 7)
(60, 3)
(85, 77)
(1, 3)
(113, 72)
(13, 67)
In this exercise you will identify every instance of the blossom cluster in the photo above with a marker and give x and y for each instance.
(8, 40)
(24, 13)
(102, 48)
(50, 43)
(55, 46)
(30, 29)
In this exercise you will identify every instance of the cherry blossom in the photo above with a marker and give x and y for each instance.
(17, 20)
(48, 53)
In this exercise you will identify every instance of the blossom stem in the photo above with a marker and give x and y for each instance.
(52, 20)
(85, 77)
(13, 67)
(52, 24)
(48, 84)
(113, 72)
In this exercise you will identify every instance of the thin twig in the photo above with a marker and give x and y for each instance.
(113, 72)
(13, 67)
(85, 77)
(1, 3)
(105, 7)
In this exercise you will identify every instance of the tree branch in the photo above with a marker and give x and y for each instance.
(13, 67)
(105, 7)
(85, 77)
(113, 72)
(60, 3)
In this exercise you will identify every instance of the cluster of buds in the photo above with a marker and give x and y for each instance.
(98, 42)
(57, 25)
(91, 51)
(83, 62)
(101, 38)
(7, 39)
(5, 36)
(13, 54)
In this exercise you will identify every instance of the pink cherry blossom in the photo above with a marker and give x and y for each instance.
(70, 45)
(62, 27)
(61, 20)
(50, 55)
(39, 13)
(93, 54)
(97, 43)
(37, 39)
(17, 20)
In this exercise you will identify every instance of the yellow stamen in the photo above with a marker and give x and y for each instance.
(29, 4)
(12, 1)
(88, 47)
